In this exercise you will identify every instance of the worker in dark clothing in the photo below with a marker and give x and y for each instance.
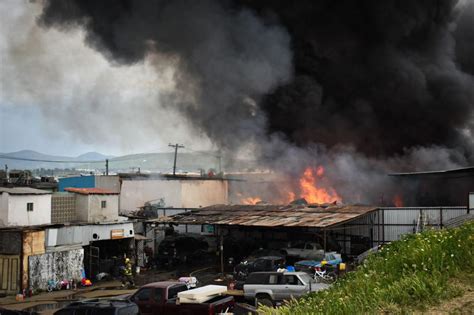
(127, 273)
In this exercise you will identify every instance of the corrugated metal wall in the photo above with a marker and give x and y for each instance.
(390, 224)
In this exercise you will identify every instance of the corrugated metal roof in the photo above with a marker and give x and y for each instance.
(270, 215)
(91, 191)
(23, 191)
(469, 169)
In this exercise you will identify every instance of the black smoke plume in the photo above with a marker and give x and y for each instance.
(382, 76)
(367, 86)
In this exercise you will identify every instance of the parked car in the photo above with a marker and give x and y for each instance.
(308, 250)
(181, 249)
(332, 259)
(100, 307)
(262, 252)
(265, 263)
(268, 288)
(161, 298)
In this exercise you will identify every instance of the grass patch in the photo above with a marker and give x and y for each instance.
(409, 274)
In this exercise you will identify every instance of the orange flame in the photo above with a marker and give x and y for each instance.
(398, 201)
(311, 190)
(251, 200)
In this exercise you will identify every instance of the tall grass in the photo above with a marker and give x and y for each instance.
(410, 273)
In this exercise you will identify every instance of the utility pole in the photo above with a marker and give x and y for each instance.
(106, 166)
(219, 157)
(175, 146)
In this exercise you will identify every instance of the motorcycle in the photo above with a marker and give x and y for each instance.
(322, 275)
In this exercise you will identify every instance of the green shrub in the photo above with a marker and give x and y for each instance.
(410, 273)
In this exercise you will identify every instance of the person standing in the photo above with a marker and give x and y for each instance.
(127, 273)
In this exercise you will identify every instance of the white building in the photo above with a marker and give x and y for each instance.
(21, 206)
(174, 193)
(96, 205)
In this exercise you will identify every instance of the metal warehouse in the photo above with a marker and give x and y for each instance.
(350, 229)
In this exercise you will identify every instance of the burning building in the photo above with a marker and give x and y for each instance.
(447, 188)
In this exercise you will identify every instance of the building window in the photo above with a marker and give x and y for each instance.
(103, 204)
(29, 206)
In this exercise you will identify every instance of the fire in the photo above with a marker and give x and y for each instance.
(251, 200)
(311, 189)
(313, 186)
(398, 201)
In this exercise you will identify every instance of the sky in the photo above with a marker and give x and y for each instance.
(59, 96)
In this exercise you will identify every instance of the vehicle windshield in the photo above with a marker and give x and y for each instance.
(306, 278)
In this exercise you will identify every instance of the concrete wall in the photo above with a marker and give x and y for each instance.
(135, 193)
(89, 208)
(110, 182)
(175, 193)
(4, 209)
(82, 208)
(203, 193)
(76, 182)
(56, 265)
(107, 214)
(19, 216)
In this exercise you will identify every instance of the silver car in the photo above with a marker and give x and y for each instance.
(269, 287)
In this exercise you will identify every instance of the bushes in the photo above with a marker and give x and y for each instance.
(410, 273)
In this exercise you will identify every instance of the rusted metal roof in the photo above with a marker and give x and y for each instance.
(91, 191)
(270, 215)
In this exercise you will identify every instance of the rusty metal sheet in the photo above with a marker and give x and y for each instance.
(270, 215)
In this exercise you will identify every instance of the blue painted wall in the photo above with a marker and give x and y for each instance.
(77, 182)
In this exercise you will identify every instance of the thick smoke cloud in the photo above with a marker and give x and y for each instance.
(382, 76)
(363, 87)
(227, 59)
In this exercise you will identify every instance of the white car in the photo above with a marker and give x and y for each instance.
(308, 250)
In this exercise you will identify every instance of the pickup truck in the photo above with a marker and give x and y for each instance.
(161, 298)
(267, 288)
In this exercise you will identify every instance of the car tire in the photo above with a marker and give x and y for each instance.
(264, 300)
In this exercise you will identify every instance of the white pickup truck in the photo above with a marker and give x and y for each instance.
(267, 288)
(308, 250)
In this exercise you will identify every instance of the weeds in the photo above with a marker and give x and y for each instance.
(410, 273)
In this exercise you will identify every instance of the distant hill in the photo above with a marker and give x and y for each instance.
(22, 160)
(156, 162)
(93, 156)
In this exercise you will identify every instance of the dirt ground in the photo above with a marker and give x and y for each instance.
(47, 303)
(463, 304)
